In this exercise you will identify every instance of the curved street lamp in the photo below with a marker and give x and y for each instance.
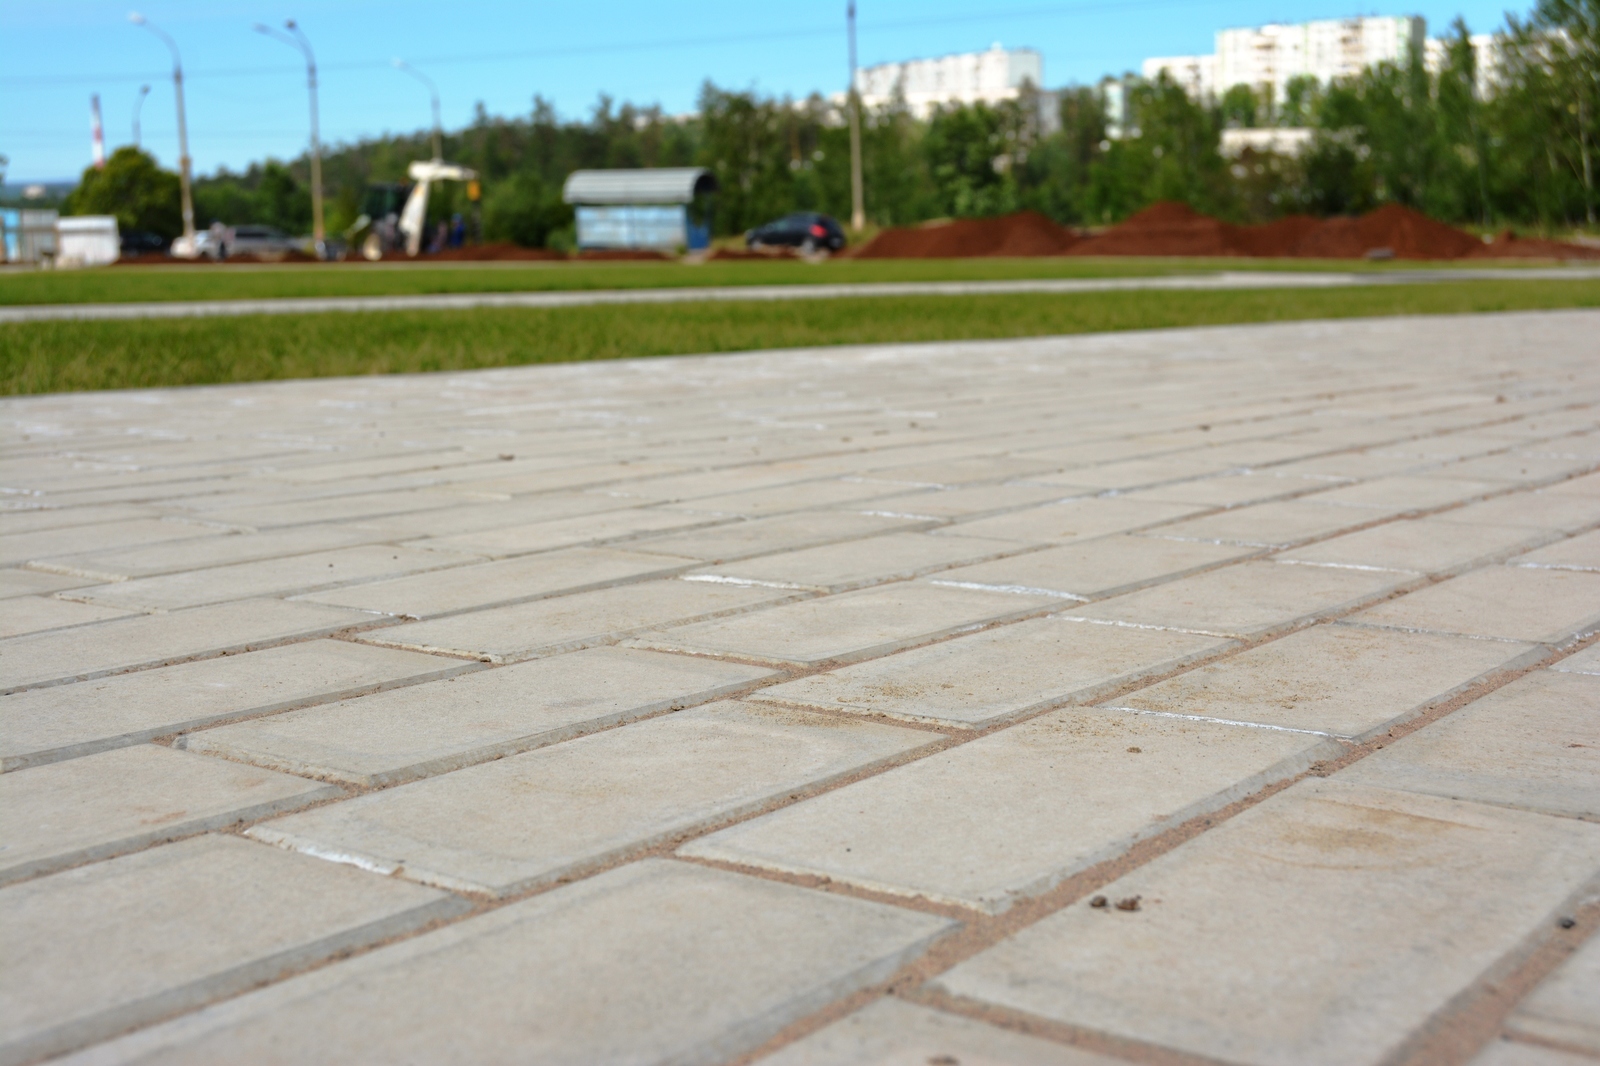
(297, 39)
(433, 91)
(183, 132)
(138, 104)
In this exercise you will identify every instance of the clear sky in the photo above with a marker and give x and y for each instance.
(247, 97)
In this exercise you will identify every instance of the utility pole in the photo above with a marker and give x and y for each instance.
(433, 91)
(187, 250)
(138, 105)
(858, 211)
(297, 39)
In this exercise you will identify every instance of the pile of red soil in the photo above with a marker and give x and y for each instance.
(492, 253)
(1165, 229)
(753, 253)
(624, 254)
(1407, 234)
(1508, 245)
(1026, 233)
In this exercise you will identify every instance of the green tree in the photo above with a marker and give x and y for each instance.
(132, 187)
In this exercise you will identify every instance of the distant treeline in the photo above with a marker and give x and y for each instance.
(1520, 151)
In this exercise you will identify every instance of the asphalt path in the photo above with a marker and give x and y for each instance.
(1225, 280)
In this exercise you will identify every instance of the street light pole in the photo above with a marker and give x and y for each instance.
(138, 104)
(433, 91)
(858, 212)
(183, 133)
(298, 40)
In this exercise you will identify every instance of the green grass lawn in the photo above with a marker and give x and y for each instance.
(213, 282)
(68, 356)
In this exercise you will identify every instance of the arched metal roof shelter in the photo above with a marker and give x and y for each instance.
(663, 185)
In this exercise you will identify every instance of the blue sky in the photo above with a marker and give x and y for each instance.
(247, 100)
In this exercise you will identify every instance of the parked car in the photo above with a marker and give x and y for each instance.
(805, 230)
(220, 242)
(143, 242)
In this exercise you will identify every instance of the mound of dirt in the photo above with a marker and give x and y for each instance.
(1026, 233)
(722, 254)
(1166, 228)
(500, 252)
(624, 254)
(1405, 233)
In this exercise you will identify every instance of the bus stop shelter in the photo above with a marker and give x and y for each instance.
(658, 209)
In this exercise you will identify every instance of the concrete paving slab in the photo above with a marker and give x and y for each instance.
(783, 499)
(37, 614)
(856, 564)
(118, 801)
(1562, 1009)
(1346, 875)
(335, 506)
(1010, 815)
(402, 735)
(1076, 518)
(1584, 662)
(491, 511)
(124, 644)
(1348, 681)
(968, 501)
(267, 577)
(741, 540)
(1001, 673)
(1411, 494)
(518, 580)
(18, 548)
(627, 974)
(558, 812)
(892, 1032)
(1509, 1053)
(1529, 466)
(101, 949)
(47, 725)
(1559, 509)
(845, 628)
(1579, 553)
(1534, 744)
(15, 582)
(1250, 599)
(1505, 602)
(1093, 569)
(1229, 490)
(568, 623)
(965, 471)
(167, 557)
(1270, 525)
(605, 527)
(1422, 545)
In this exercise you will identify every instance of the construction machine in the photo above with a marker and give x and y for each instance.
(389, 231)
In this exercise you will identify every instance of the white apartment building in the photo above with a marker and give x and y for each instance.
(1268, 57)
(972, 77)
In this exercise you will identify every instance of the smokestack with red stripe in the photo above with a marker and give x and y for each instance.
(96, 132)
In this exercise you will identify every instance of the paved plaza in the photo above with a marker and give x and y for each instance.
(1191, 697)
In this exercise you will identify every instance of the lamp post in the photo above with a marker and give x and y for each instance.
(858, 212)
(297, 39)
(183, 134)
(138, 104)
(433, 91)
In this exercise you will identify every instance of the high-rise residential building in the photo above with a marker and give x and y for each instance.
(1267, 58)
(971, 77)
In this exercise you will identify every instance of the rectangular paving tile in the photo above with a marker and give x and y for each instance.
(506, 581)
(970, 500)
(67, 721)
(846, 627)
(117, 801)
(1409, 494)
(1422, 545)
(891, 1032)
(147, 560)
(1584, 662)
(95, 951)
(17, 548)
(1533, 744)
(1076, 518)
(37, 614)
(501, 542)
(1230, 490)
(1092, 569)
(150, 640)
(1012, 814)
(1000, 673)
(267, 577)
(1562, 1009)
(555, 813)
(1578, 553)
(1246, 599)
(1324, 901)
(964, 471)
(1552, 509)
(492, 512)
(627, 973)
(567, 623)
(856, 563)
(1510, 603)
(781, 499)
(1350, 681)
(761, 536)
(1270, 525)
(16, 582)
(428, 729)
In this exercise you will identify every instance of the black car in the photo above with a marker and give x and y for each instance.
(142, 242)
(805, 230)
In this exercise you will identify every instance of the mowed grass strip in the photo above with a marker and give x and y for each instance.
(240, 282)
(75, 356)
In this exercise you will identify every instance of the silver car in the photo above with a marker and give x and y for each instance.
(221, 242)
